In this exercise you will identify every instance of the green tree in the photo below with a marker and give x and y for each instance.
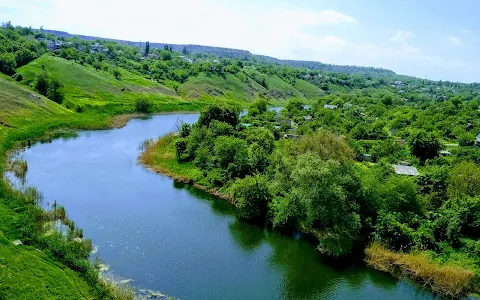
(222, 113)
(424, 145)
(53, 90)
(251, 196)
(147, 48)
(117, 74)
(185, 130)
(24, 56)
(258, 107)
(180, 147)
(143, 106)
(184, 50)
(41, 83)
(323, 201)
(465, 180)
(198, 137)
(294, 107)
(7, 63)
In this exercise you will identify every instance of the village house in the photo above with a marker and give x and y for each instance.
(96, 48)
(307, 118)
(292, 136)
(405, 170)
(328, 106)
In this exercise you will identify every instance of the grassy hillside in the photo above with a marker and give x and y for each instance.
(98, 90)
(309, 90)
(21, 106)
(279, 89)
(229, 87)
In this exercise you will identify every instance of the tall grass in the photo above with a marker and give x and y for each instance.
(449, 280)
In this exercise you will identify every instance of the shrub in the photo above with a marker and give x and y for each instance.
(143, 106)
(7, 63)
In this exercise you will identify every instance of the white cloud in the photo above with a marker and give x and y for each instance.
(454, 40)
(333, 17)
(306, 17)
(402, 37)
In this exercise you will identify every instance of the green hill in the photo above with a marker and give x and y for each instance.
(19, 105)
(308, 90)
(280, 89)
(230, 87)
(99, 90)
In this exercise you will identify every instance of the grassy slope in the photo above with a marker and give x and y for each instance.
(309, 90)
(233, 88)
(24, 270)
(278, 88)
(27, 273)
(100, 91)
(225, 87)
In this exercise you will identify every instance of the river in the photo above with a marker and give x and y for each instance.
(171, 237)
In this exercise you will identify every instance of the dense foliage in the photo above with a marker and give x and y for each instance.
(314, 175)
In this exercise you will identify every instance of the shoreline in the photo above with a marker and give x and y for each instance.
(183, 179)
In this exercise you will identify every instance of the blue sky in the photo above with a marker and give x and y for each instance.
(438, 40)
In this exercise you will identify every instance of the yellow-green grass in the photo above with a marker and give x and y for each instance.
(280, 89)
(159, 156)
(309, 90)
(228, 87)
(447, 279)
(99, 91)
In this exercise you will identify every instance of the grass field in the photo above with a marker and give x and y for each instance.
(228, 87)
(99, 91)
(309, 90)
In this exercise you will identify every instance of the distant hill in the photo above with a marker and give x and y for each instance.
(314, 65)
(243, 55)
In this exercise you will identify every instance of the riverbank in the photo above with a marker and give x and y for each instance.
(159, 157)
(64, 262)
(443, 278)
(448, 280)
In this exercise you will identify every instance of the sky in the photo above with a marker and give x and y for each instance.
(434, 39)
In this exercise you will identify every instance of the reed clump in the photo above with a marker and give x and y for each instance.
(448, 280)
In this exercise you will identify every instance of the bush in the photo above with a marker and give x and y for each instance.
(17, 77)
(53, 90)
(180, 147)
(7, 63)
(41, 83)
(143, 106)
(117, 74)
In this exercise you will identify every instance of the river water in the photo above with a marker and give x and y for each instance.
(171, 237)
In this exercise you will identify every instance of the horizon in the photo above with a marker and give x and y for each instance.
(413, 40)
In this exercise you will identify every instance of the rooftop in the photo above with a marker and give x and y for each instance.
(405, 170)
